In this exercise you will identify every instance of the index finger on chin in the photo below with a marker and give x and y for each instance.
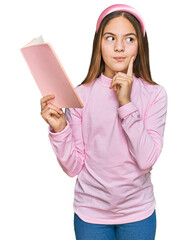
(130, 67)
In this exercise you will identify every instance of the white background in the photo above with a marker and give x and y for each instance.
(36, 196)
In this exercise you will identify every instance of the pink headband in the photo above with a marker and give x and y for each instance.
(121, 7)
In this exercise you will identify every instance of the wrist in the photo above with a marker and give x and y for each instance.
(56, 130)
(124, 102)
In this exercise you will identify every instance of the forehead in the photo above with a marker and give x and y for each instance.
(119, 25)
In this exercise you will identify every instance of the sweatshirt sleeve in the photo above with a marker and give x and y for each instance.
(68, 144)
(145, 136)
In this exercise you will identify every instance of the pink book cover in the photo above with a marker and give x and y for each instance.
(49, 74)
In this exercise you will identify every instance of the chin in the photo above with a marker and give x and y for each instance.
(120, 70)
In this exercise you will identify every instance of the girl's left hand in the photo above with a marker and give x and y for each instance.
(122, 84)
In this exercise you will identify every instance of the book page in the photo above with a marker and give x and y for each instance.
(36, 41)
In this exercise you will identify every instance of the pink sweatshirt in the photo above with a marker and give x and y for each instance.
(112, 149)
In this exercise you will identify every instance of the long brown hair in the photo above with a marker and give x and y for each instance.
(141, 67)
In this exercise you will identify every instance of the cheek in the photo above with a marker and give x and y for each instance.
(132, 51)
(105, 54)
(135, 52)
(106, 49)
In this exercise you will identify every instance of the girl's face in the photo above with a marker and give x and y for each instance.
(119, 44)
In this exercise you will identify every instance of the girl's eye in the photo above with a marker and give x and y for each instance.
(130, 39)
(110, 38)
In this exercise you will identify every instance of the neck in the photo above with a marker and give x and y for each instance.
(109, 74)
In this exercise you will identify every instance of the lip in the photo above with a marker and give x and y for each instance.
(119, 59)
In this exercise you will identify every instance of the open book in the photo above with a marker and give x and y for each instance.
(49, 74)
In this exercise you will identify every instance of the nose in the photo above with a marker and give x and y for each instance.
(119, 46)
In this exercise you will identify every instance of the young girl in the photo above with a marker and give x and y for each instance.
(113, 142)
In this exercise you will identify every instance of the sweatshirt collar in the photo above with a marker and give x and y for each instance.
(105, 81)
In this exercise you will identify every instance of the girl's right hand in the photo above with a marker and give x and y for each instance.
(53, 115)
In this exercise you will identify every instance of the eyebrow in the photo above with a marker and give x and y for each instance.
(127, 34)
